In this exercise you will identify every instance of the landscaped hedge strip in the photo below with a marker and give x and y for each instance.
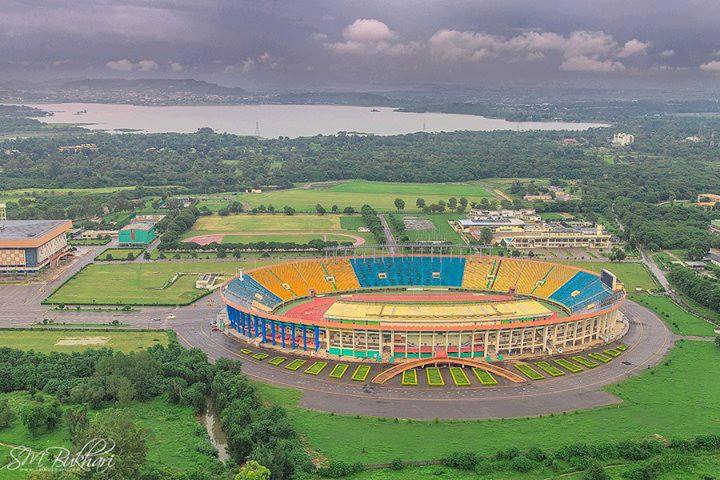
(246, 351)
(361, 373)
(260, 356)
(410, 378)
(295, 365)
(277, 361)
(613, 352)
(528, 371)
(434, 377)
(339, 370)
(550, 369)
(316, 368)
(600, 356)
(459, 377)
(585, 362)
(485, 378)
(568, 365)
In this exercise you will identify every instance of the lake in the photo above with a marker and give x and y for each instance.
(272, 121)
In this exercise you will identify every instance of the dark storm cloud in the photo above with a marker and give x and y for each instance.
(328, 41)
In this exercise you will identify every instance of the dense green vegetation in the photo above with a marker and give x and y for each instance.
(704, 290)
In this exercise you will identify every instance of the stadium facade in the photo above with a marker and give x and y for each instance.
(367, 308)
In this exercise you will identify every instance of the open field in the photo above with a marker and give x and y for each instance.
(140, 283)
(680, 321)
(355, 193)
(442, 231)
(66, 341)
(299, 228)
(632, 274)
(173, 433)
(675, 399)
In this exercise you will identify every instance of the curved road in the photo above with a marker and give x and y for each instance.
(647, 337)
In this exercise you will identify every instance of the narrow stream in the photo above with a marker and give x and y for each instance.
(217, 437)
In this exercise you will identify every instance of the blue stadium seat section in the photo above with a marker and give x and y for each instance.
(590, 291)
(248, 290)
(409, 271)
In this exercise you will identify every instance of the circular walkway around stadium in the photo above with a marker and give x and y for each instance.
(647, 338)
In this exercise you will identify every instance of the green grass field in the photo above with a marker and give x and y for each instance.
(677, 399)
(355, 193)
(680, 321)
(141, 283)
(296, 238)
(66, 341)
(442, 231)
(632, 274)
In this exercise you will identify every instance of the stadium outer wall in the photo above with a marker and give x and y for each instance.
(361, 341)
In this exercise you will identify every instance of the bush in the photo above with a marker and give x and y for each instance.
(642, 450)
(595, 472)
(337, 469)
(508, 454)
(462, 461)
(397, 464)
(522, 464)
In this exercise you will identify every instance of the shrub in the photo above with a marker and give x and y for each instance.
(522, 464)
(462, 461)
(595, 472)
(508, 454)
(397, 464)
(337, 469)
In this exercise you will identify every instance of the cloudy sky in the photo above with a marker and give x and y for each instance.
(360, 42)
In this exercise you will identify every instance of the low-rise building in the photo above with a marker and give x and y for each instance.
(715, 226)
(137, 234)
(28, 246)
(707, 200)
(90, 147)
(557, 237)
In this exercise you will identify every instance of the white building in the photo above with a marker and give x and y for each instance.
(622, 139)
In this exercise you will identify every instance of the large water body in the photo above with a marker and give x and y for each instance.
(272, 121)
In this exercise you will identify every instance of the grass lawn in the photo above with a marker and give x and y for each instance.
(120, 254)
(299, 228)
(633, 275)
(680, 321)
(173, 433)
(674, 400)
(77, 340)
(140, 283)
(356, 193)
(442, 231)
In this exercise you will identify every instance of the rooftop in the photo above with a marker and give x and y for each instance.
(29, 229)
(139, 226)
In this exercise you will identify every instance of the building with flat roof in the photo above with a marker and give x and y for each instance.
(557, 237)
(715, 226)
(137, 234)
(28, 246)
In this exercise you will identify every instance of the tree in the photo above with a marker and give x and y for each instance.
(6, 413)
(595, 472)
(320, 209)
(486, 235)
(399, 204)
(334, 209)
(463, 202)
(223, 212)
(717, 341)
(288, 210)
(348, 210)
(420, 203)
(452, 203)
(77, 420)
(130, 448)
(252, 470)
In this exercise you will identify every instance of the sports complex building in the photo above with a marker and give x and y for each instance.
(28, 246)
(390, 308)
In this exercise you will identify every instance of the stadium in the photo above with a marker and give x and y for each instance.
(400, 308)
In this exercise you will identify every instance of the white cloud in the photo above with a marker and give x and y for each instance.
(366, 37)
(634, 47)
(123, 65)
(319, 36)
(126, 65)
(248, 65)
(582, 63)
(367, 30)
(582, 51)
(713, 66)
(176, 67)
(147, 65)
(667, 53)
